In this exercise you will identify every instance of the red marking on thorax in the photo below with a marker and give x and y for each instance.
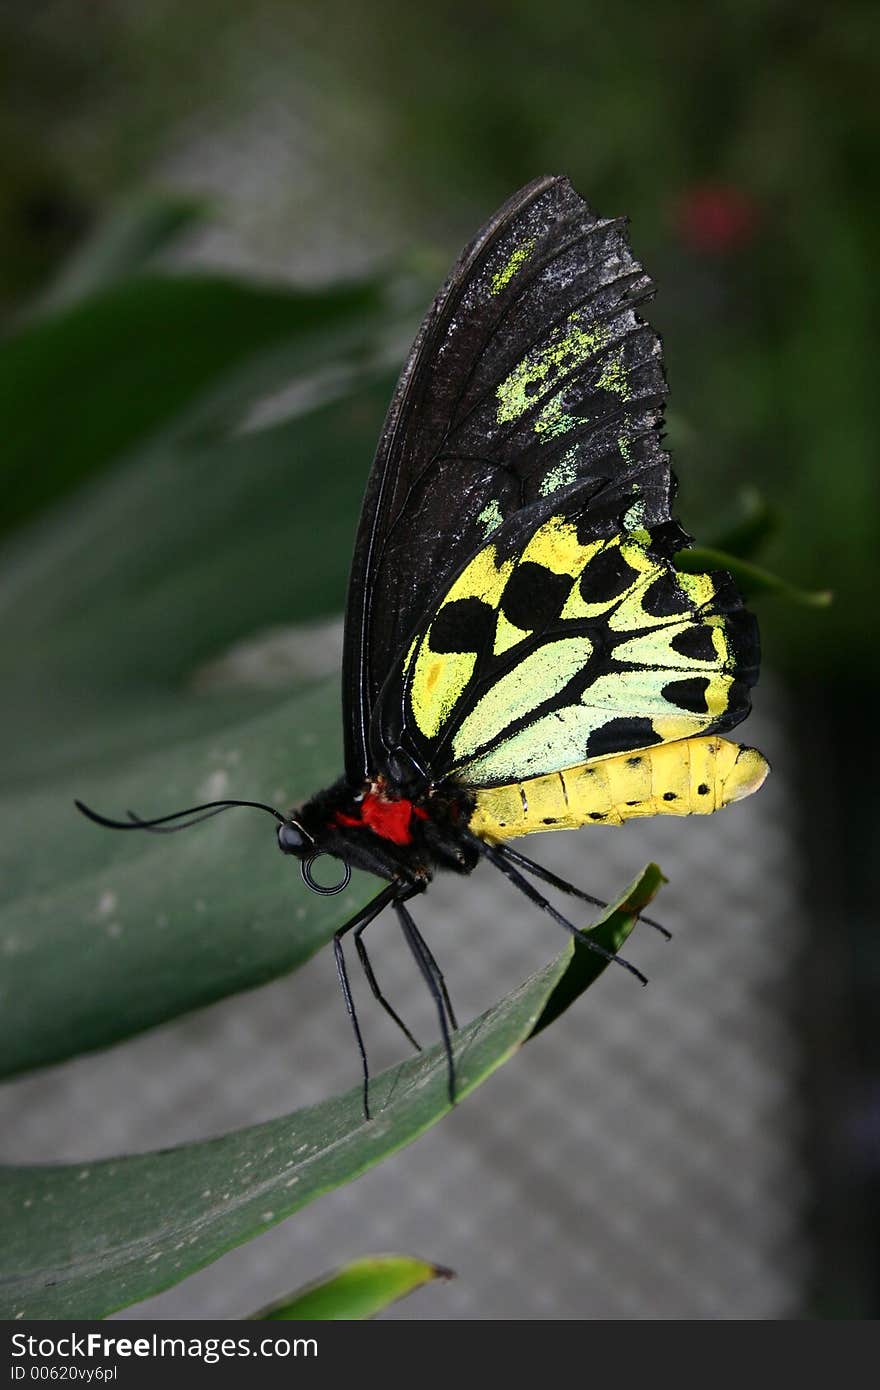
(391, 820)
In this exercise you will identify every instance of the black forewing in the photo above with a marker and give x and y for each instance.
(531, 372)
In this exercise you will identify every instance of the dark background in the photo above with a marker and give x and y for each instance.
(741, 140)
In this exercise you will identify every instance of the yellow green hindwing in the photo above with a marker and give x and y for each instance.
(694, 776)
(570, 647)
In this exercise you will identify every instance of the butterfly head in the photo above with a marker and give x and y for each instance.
(293, 838)
(296, 840)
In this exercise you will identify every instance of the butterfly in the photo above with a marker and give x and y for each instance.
(520, 653)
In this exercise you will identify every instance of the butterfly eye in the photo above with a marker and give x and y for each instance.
(292, 839)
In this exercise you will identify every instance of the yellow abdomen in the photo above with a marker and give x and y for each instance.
(692, 776)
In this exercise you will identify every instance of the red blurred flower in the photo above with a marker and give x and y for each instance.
(716, 218)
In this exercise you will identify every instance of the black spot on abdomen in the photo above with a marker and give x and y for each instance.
(464, 625)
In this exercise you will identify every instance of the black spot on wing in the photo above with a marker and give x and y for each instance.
(464, 625)
(695, 643)
(726, 596)
(533, 596)
(664, 597)
(738, 705)
(689, 694)
(607, 576)
(668, 538)
(741, 629)
(619, 735)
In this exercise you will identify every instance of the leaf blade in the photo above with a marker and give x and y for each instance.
(123, 243)
(80, 386)
(112, 933)
(124, 1229)
(610, 933)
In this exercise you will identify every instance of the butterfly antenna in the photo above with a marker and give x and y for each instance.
(161, 824)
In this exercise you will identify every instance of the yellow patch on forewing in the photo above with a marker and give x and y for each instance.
(553, 420)
(700, 588)
(630, 615)
(671, 727)
(656, 649)
(615, 377)
(483, 578)
(553, 741)
(637, 558)
(515, 261)
(563, 472)
(567, 348)
(694, 776)
(555, 545)
(438, 681)
(627, 692)
(536, 678)
(559, 740)
(507, 634)
(491, 517)
(438, 678)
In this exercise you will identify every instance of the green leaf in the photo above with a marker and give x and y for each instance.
(357, 1291)
(609, 933)
(104, 934)
(750, 579)
(123, 243)
(83, 1240)
(79, 387)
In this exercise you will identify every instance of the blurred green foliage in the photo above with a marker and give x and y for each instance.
(358, 1290)
(399, 125)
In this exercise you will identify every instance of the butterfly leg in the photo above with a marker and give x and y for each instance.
(494, 855)
(361, 919)
(514, 857)
(434, 980)
(374, 986)
(438, 976)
